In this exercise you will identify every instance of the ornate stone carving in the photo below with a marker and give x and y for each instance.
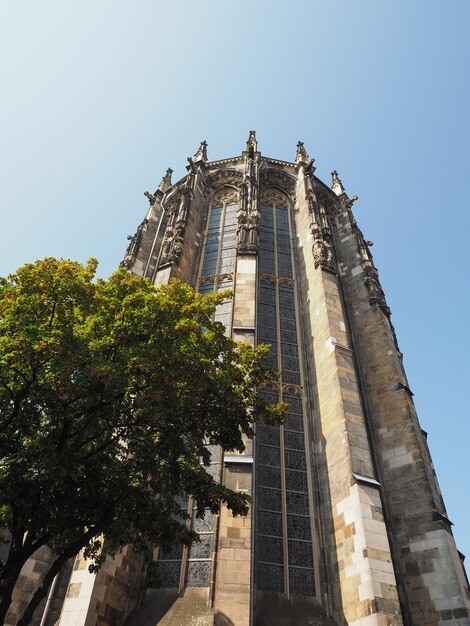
(201, 154)
(172, 245)
(242, 230)
(268, 278)
(226, 195)
(274, 197)
(252, 144)
(351, 201)
(323, 250)
(336, 183)
(165, 183)
(277, 177)
(371, 274)
(372, 283)
(150, 197)
(322, 247)
(171, 207)
(248, 215)
(222, 177)
(253, 233)
(206, 279)
(294, 389)
(301, 156)
(227, 277)
(191, 167)
(166, 245)
(326, 199)
(134, 245)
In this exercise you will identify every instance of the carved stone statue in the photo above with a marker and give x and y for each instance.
(242, 231)
(318, 250)
(166, 245)
(177, 243)
(328, 250)
(375, 292)
(323, 250)
(372, 282)
(172, 246)
(253, 233)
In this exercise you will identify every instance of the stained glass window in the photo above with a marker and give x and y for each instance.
(169, 573)
(301, 581)
(198, 574)
(219, 254)
(283, 539)
(269, 577)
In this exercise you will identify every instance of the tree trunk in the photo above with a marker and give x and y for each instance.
(10, 574)
(72, 550)
(41, 592)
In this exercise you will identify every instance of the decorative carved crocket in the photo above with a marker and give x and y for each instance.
(134, 244)
(372, 282)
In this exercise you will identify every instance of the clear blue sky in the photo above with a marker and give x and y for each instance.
(99, 97)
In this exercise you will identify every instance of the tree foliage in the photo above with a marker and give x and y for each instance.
(109, 393)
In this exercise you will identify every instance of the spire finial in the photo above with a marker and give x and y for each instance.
(201, 154)
(336, 183)
(165, 183)
(252, 144)
(301, 156)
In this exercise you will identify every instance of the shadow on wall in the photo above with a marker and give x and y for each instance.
(220, 619)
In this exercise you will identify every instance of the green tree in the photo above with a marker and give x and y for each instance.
(109, 392)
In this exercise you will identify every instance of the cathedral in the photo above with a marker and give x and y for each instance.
(347, 523)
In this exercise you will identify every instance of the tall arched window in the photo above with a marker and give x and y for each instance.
(219, 251)
(283, 537)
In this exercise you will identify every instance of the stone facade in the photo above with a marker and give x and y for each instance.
(347, 524)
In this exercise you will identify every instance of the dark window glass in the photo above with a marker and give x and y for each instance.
(296, 481)
(269, 549)
(300, 553)
(277, 317)
(294, 440)
(292, 378)
(295, 422)
(297, 503)
(269, 523)
(268, 455)
(269, 499)
(298, 528)
(295, 460)
(301, 581)
(270, 577)
(295, 403)
(289, 350)
(169, 573)
(269, 476)
(268, 435)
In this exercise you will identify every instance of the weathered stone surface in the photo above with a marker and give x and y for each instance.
(383, 551)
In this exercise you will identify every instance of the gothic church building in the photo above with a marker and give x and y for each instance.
(347, 524)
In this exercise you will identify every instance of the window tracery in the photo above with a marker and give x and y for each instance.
(283, 538)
